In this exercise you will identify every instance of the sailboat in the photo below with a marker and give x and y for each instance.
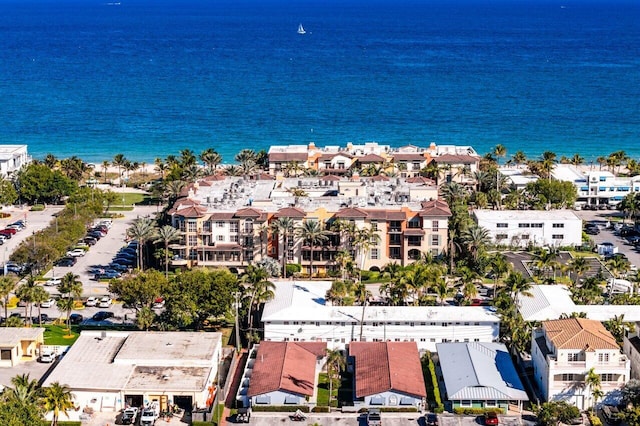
(301, 29)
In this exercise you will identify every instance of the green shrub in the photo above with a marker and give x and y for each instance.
(293, 268)
(319, 409)
(476, 411)
(281, 408)
(37, 207)
(198, 423)
(431, 380)
(398, 409)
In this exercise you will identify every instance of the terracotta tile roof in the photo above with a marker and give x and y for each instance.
(350, 212)
(249, 212)
(414, 232)
(287, 366)
(188, 210)
(435, 208)
(214, 178)
(579, 333)
(264, 176)
(456, 159)
(222, 216)
(396, 215)
(378, 178)
(409, 157)
(421, 180)
(288, 156)
(331, 177)
(292, 212)
(387, 366)
(333, 155)
(371, 158)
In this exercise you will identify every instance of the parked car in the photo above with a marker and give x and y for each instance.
(43, 318)
(91, 301)
(54, 281)
(11, 231)
(431, 419)
(102, 315)
(107, 275)
(124, 261)
(76, 252)
(95, 234)
(118, 267)
(47, 357)
(373, 417)
(90, 241)
(104, 302)
(48, 303)
(14, 267)
(75, 318)
(129, 416)
(66, 262)
(16, 227)
(491, 418)
(6, 233)
(97, 231)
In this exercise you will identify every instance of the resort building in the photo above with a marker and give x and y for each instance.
(531, 228)
(456, 163)
(231, 222)
(631, 348)
(480, 375)
(12, 158)
(299, 312)
(109, 370)
(18, 345)
(387, 374)
(282, 373)
(564, 352)
(517, 178)
(597, 187)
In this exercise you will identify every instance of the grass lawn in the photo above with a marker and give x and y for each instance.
(58, 335)
(323, 391)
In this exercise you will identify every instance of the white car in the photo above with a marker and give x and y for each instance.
(48, 303)
(54, 281)
(104, 302)
(47, 357)
(76, 252)
(91, 301)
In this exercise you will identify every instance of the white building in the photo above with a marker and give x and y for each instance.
(299, 313)
(597, 187)
(563, 352)
(12, 158)
(109, 370)
(631, 348)
(517, 177)
(523, 228)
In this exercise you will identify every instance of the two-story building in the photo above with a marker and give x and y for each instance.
(564, 351)
(299, 312)
(12, 158)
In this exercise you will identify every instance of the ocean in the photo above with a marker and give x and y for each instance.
(148, 78)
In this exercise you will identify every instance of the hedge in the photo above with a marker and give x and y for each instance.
(198, 423)
(470, 410)
(37, 208)
(281, 408)
(319, 409)
(594, 420)
(432, 385)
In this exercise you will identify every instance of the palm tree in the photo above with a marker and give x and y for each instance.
(119, 160)
(166, 235)
(335, 364)
(362, 296)
(161, 166)
(24, 292)
(519, 158)
(453, 192)
(25, 389)
(66, 305)
(50, 161)
(313, 233)
(105, 167)
(70, 289)
(247, 160)
(187, 158)
(468, 279)
(578, 266)
(517, 284)
(211, 159)
(499, 151)
(618, 266)
(142, 230)
(548, 163)
(57, 398)
(283, 227)
(39, 295)
(442, 288)
(475, 240)
(592, 381)
(499, 266)
(259, 287)
(365, 238)
(7, 284)
(338, 291)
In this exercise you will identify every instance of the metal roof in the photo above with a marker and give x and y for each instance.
(479, 371)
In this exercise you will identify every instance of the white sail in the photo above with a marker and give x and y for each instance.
(301, 29)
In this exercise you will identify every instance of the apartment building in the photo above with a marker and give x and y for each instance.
(299, 313)
(523, 228)
(12, 158)
(563, 352)
(232, 223)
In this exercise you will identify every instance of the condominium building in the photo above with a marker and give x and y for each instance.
(563, 353)
(231, 223)
(523, 228)
(12, 158)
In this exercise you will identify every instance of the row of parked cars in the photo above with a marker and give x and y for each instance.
(124, 260)
(91, 238)
(11, 230)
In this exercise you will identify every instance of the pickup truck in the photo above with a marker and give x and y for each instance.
(149, 415)
(129, 416)
(373, 417)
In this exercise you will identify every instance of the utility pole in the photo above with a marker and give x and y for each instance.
(235, 305)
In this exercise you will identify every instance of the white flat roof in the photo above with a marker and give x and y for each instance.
(506, 215)
(567, 172)
(305, 301)
(11, 336)
(168, 348)
(551, 301)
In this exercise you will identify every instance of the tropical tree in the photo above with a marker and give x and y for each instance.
(442, 288)
(70, 289)
(142, 230)
(7, 284)
(578, 265)
(362, 294)
(364, 239)
(499, 266)
(119, 161)
(166, 235)
(592, 381)
(145, 318)
(58, 399)
(313, 233)
(516, 284)
(211, 159)
(335, 364)
(39, 295)
(259, 288)
(24, 292)
(475, 239)
(283, 227)
(499, 151)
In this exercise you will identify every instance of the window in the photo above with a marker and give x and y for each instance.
(435, 226)
(5, 354)
(602, 358)
(491, 403)
(414, 223)
(502, 225)
(290, 255)
(573, 357)
(374, 254)
(220, 224)
(192, 226)
(435, 240)
(193, 240)
(558, 236)
(465, 403)
(374, 241)
(536, 225)
(501, 236)
(233, 227)
(233, 238)
(524, 237)
(523, 225)
(206, 226)
(608, 377)
(394, 253)
(558, 225)
(567, 377)
(220, 238)
(374, 225)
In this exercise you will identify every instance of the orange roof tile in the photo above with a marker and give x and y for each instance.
(435, 208)
(579, 333)
(290, 212)
(387, 366)
(287, 366)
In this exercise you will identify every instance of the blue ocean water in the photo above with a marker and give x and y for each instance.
(148, 78)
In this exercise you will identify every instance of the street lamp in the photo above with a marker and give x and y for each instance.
(236, 295)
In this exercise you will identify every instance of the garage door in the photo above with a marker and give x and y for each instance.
(184, 402)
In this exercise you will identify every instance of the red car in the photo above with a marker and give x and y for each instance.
(491, 419)
(10, 230)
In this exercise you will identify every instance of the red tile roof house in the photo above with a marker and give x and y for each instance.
(284, 373)
(387, 374)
